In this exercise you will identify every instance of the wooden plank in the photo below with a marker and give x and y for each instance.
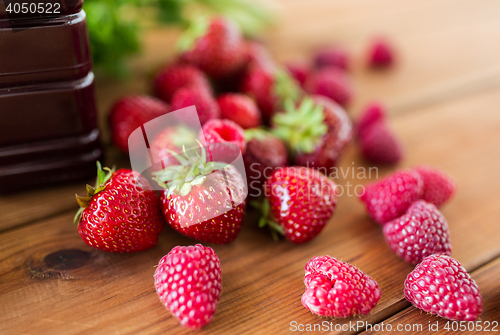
(107, 293)
(487, 279)
(28, 207)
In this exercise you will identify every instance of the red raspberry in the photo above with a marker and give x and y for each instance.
(421, 232)
(225, 140)
(381, 54)
(390, 197)
(338, 289)
(188, 282)
(206, 106)
(240, 109)
(332, 56)
(440, 285)
(171, 78)
(373, 113)
(439, 187)
(332, 83)
(299, 71)
(380, 145)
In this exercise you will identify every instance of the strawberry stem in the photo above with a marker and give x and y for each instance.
(266, 219)
(195, 30)
(193, 170)
(285, 86)
(302, 127)
(102, 179)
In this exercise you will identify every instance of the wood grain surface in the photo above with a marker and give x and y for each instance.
(443, 98)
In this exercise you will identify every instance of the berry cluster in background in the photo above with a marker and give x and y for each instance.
(288, 122)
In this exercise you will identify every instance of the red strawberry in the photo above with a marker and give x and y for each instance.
(380, 145)
(316, 131)
(299, 71)
(440, 285)
(421, 232)
(269, 87)
(203, 200)
(332, 57)
(380, 54)
(225, 140)
(258, 55)
(216, 47)
(338, 289)
(389, 198)
(171, 78)
(439, 187)
(263, 154)
(172, 139)
(332, 83)
(129, 113)
(299, 203)
(188, 281)
(240, 109)
(120, 214)
(373, 113)
(206, 106)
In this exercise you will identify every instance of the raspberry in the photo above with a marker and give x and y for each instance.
(338, 289)
(439, 187)
(372, 114)
(332, 56)
(381, 54)
(225, 140)
(299, 71)
(421, 232)
(188, 282)
(380, 145)
(390, 197)
(440, 285)
(332, 83)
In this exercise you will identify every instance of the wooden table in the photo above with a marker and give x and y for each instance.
(444, 103)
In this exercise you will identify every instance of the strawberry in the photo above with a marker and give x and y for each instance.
(120, 214)
(206, 106)
(258, 55)
(380, 54)
(216, 47)
(131, 112)
(380, 145)
(389, 198)
(439, 187)
(240, 109)
(264, 153)
(203, 200)
(270, 88)
(316, 131)
(332, 83)
(298, 203)
(338, 289)
(169, 140)
(332, 57)
(299, 71)
(421, 232)
(173, 77)
(373, 113)
(440, 285)
(225, 140)
(188, 281)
